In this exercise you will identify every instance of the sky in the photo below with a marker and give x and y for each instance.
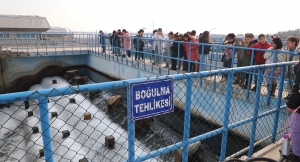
(226, 16)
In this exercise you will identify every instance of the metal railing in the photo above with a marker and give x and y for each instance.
(232, 115)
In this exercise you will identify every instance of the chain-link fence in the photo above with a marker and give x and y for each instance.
(211, 120)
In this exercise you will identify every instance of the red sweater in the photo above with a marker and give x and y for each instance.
(191, 50)
(259, 55)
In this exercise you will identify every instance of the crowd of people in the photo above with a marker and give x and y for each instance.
(186, 47)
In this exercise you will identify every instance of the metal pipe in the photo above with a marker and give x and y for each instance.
(45, 124)
(226, 116)
(276, 117)
(131, 129)
(187, 119)
(255, 112)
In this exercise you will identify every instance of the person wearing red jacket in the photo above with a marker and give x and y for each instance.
(259, 55)
(191, 50)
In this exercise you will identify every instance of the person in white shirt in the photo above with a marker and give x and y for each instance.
(156, 48)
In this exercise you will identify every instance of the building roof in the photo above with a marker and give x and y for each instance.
(23, 23)
(57, 30)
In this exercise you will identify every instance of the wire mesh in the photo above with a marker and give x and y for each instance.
(81, 122)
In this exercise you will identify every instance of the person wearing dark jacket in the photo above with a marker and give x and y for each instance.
(182, 52)
(176, 52)
(204, 38)
(246, 59)
(102, 40)
(139, 45)
(116, 40)
(293, 105)
(113, 42)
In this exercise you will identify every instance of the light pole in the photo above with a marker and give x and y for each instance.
(153, 24)
(212, 29)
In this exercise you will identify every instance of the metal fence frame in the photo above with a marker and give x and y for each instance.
(42, 95)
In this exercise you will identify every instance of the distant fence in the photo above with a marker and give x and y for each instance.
(63, 124)
(157, 61)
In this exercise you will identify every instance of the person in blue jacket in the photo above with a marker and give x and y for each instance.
(116, 41)
(102, 40)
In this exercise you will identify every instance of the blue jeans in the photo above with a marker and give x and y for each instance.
(103, 48)
(203, 62)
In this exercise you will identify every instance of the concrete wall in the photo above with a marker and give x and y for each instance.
(18, 67)
(206, 102)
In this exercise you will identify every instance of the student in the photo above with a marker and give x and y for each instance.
(113, 41)
(139, 45)
(102, 40)
(126, 42)
(183, 55)
(259, 55)
(142, 44)
(176, 51)
(227, 56)
(136, 44)
(110, 39)
(160, 33)
(269, 56)
(204, 38)
(167, 52)
(156, 48)
(249, 41)
(193, 35)
(292, 105)
(191, 51)
(292, 44)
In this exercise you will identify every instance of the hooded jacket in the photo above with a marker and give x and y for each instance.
(294, 102)
(177, 52)
(259, 55)
(126, 41)
(191, 50)
(138, 42)
(116, 40)
(242, 54)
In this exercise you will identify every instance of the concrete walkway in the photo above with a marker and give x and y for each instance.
(271, 151)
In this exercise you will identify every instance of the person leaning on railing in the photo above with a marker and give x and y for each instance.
(191, 50)
(293, 105)
(184, 62)
(292, 44)
(259, 55)
(269, 56)
(227, 56)
(177, 51)
(126, 42)
(156, 48)
(204, 38)
(102, 41)
(246, 59)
